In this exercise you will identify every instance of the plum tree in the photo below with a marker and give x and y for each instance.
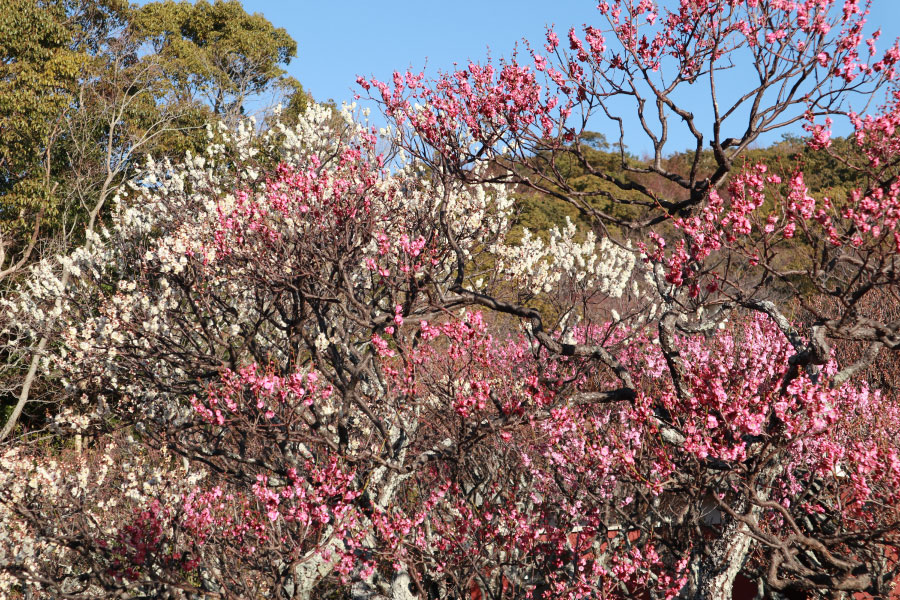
(306, 367)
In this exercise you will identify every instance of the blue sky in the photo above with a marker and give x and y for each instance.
(337, 42)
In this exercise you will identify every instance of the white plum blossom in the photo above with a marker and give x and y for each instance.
(603, 266)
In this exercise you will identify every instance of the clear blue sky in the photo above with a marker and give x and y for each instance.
(337, 42)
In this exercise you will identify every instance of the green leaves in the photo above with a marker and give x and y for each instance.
(216, 51)
(38, 78)
(87, 88)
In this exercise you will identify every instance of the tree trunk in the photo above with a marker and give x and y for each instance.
(712, 577)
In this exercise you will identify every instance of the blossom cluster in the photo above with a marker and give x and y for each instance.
(538, 266)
